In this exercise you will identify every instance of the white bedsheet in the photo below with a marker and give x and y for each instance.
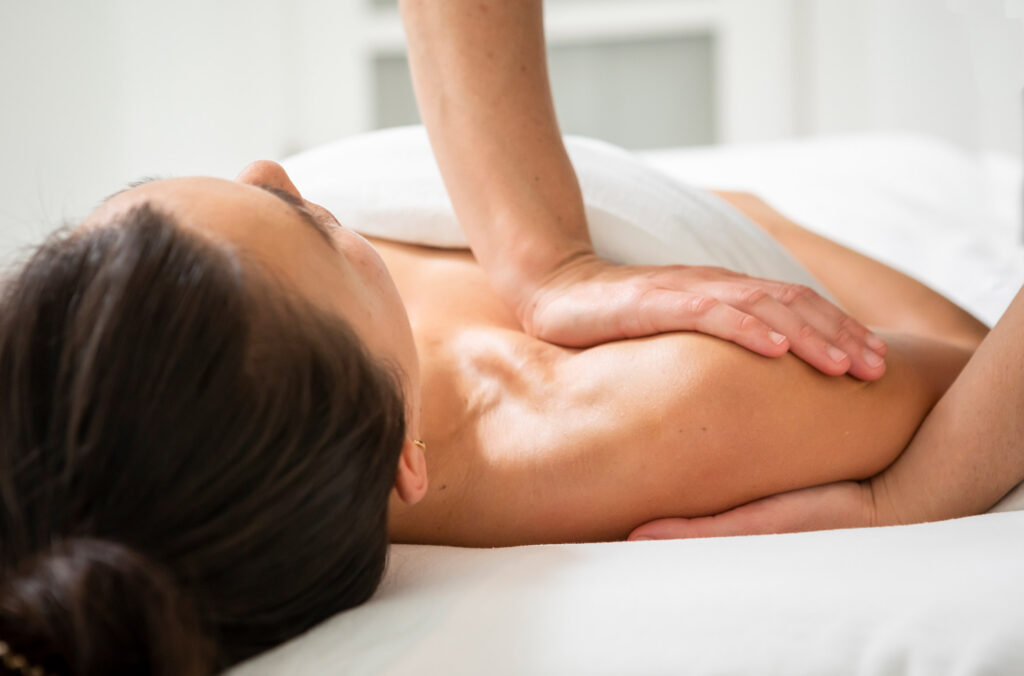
(925, 600)
(928, 599)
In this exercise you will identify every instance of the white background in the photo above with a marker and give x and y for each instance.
(95, 94)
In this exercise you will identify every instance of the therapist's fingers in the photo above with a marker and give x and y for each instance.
(866, 351)
(761, 517)
(681, 529)
(844, 504)
(663, 310)
(594, 301)
(805, 341)
(850, 336)
(819, 333)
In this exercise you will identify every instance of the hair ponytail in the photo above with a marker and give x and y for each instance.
(91, 606)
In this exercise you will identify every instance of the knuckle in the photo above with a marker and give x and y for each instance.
(750, 296)
(842, 336)
(850, 325)
(807, 331)
(699, 305)
(787, 295)
(795, 292)
(748, 322)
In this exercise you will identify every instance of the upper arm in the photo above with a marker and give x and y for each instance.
(771, 425)
(711, 425)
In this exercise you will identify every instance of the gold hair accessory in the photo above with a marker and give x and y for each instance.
(421, 444)
(18, 664)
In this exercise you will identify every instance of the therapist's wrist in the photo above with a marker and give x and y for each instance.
(893, 506)
(534, 259)
(531, 299)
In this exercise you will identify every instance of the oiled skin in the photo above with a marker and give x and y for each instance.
(529, 442)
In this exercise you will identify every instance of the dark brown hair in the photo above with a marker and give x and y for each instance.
(194, 464)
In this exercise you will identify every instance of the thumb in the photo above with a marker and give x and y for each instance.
(767, 515)
(719, 525)
(665, 529)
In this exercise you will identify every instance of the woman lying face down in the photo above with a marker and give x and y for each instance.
(212, 393)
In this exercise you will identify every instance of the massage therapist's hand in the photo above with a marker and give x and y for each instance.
(479, 70)
(844, 504)
(590, 301)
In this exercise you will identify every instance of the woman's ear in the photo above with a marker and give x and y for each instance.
(411, 479)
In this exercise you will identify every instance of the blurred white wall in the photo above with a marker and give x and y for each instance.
(95, 94)
(951, 68)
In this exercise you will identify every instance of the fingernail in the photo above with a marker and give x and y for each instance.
(777, 338)
(872, 358)
(836, 354)
(874, 342)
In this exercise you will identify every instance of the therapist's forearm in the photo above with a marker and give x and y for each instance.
(480, 73)
(969, 451)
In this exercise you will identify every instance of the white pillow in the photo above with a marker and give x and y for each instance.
(387, 184)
